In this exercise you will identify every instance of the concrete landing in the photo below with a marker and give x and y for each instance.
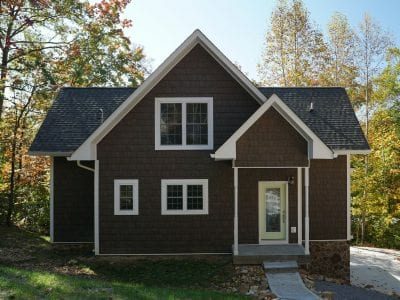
(289, 286)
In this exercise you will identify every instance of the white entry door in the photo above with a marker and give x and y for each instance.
(272, 197)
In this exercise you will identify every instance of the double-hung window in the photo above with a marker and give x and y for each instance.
(184, 197)
(126, 197)
(184, 123)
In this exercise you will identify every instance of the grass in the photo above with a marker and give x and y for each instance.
(30, 268)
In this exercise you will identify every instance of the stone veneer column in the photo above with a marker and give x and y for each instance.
(330, 258)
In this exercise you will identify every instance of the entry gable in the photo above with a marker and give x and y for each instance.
(271, 142)
(315, 147)
(87, 151)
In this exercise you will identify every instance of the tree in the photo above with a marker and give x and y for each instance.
(84, 46)
(295, 50)
(372, 45)
(342, 70)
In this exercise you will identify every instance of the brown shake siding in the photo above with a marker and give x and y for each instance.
(73, 202)
(127, 152)
(248, 201)
(328, 199)
(271, 142)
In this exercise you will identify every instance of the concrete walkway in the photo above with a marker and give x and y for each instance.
(289, 286)
(375, 268)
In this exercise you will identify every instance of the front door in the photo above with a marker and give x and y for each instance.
(272, 198)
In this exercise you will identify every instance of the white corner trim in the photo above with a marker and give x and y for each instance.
(184, 101)
(52, 199)
(299, 206)
(135, 197)
(87, 151)
(184, 183)
(317, 149)
(306, 210)
(348, 191)
(236, 212)
(96, 208)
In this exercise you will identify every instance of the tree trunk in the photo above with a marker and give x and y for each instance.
(11, 194)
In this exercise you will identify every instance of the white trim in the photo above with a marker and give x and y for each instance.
(316, 148)
(167, 254)
(96, 207)
(348, 191)
(236, 213)
(184, 183)
(52, 199)
(87, 151)
(306, 211)
(135, 197)
(345, 152)
(286, 240)
(299, 207)
(184, 101)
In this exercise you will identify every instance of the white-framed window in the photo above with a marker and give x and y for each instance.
(184, 123)
(184, 196)
(126, 197)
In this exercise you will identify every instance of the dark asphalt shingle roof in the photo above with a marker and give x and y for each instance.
(75, 114)
(333, 119)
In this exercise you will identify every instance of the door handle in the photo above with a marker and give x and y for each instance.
(284, 216)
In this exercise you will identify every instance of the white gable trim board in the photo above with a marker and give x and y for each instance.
(316, 148)
(87, 151)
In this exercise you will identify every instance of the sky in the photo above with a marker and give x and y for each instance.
(237, 27)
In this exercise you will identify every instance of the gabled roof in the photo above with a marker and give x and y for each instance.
(74, 126)
(316, 148)
(87, 151)
(332, 119)
(74, 116)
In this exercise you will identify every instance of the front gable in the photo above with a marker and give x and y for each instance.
(87, 151)
(271, 142)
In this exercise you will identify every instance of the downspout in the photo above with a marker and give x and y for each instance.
(78, 162)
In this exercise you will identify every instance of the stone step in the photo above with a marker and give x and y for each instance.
(281, 266)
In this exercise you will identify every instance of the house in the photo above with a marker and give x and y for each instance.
(198, 160)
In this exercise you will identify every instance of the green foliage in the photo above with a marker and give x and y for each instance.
(45, 45)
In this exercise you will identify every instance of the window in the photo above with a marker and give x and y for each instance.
(126, 197)
(184, 197)
(183, 123)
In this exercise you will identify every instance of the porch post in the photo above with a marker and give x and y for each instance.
(299, 208)
(306, 217)
(235, 221)
(52, 199)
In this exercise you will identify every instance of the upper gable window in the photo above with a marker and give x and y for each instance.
(184, 123)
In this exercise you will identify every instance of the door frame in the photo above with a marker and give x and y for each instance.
(274, 242)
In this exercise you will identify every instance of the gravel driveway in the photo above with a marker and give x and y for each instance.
(375, 274)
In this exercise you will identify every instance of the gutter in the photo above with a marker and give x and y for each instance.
(79, 164)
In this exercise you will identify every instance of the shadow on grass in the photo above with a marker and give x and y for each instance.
(17, 283)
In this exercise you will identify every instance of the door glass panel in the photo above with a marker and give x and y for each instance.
(273, 209)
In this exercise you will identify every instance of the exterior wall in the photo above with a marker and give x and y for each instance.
(127, 152)
(248, 201)
(331, 259)
(73, 202)
(271, 142)
(328, 199)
